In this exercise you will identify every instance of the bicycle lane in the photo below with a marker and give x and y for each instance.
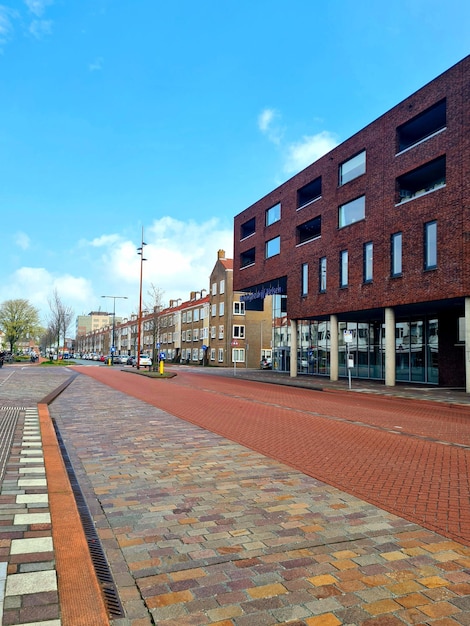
(425, 481)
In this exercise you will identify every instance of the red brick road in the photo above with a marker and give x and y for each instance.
(409, 457)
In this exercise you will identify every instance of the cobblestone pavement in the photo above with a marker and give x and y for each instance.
(200, 529)
(28, 578)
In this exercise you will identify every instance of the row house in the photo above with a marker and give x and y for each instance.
(211, 328)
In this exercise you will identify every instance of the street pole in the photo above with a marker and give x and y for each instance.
(113, 347)
(140, 251)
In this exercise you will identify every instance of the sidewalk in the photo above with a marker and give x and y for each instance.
(200, 530)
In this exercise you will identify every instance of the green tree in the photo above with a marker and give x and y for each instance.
(19, 320)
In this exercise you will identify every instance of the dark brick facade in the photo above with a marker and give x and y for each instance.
(433, 291)
(449, 205)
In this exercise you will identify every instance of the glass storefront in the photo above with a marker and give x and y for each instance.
(416, 341)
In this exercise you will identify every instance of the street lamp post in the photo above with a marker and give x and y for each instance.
(140, 252)
(114, 298)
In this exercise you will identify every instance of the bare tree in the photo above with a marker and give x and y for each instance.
(61, 317)
(48, 339)
(155, 304)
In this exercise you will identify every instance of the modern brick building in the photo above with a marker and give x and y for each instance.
(367, 251)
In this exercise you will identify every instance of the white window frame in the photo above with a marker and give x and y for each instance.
(238, 331)
(238, 308)
(238, 355)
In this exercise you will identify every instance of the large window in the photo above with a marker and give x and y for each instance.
(309, 192)
(352, 212)
(248, 228)
(343, 268)
(422, 126)
(421, 180)
(273, 214)
(304, 285)
(352, 168)
(309, 230)
(396, 254)
(322, 274)
(273, 247)
(368, 253)
(247, 258)
(430, 245)
(238, 355)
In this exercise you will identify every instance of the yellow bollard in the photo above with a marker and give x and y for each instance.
(161, 366)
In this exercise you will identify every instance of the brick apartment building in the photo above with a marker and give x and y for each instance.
(366, 252)
(211, 328)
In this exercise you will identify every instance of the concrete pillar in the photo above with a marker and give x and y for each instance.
(334, 356)
(467, 345)
(293, 348)
(390, 356)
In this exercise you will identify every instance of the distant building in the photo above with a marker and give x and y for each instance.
(87, 324)
(211, 328)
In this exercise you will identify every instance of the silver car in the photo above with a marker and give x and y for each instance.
(144, 361)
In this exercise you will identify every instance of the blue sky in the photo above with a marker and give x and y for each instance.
(172, 117)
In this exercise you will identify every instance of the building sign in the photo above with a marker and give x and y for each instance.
(261, 294)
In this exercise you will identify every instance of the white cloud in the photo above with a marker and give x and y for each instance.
(37, 284)
(22, 240)
(299, 154)
(179, 259)
(104, 240)
(268, 123)
(308, 150)
(38, 7)
(6, 24)
(39, 28)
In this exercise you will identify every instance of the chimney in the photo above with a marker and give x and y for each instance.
(221, 254)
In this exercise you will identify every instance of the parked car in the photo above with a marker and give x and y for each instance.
(144, 361)
(121, 359)
(130, 360)
(266, 364)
